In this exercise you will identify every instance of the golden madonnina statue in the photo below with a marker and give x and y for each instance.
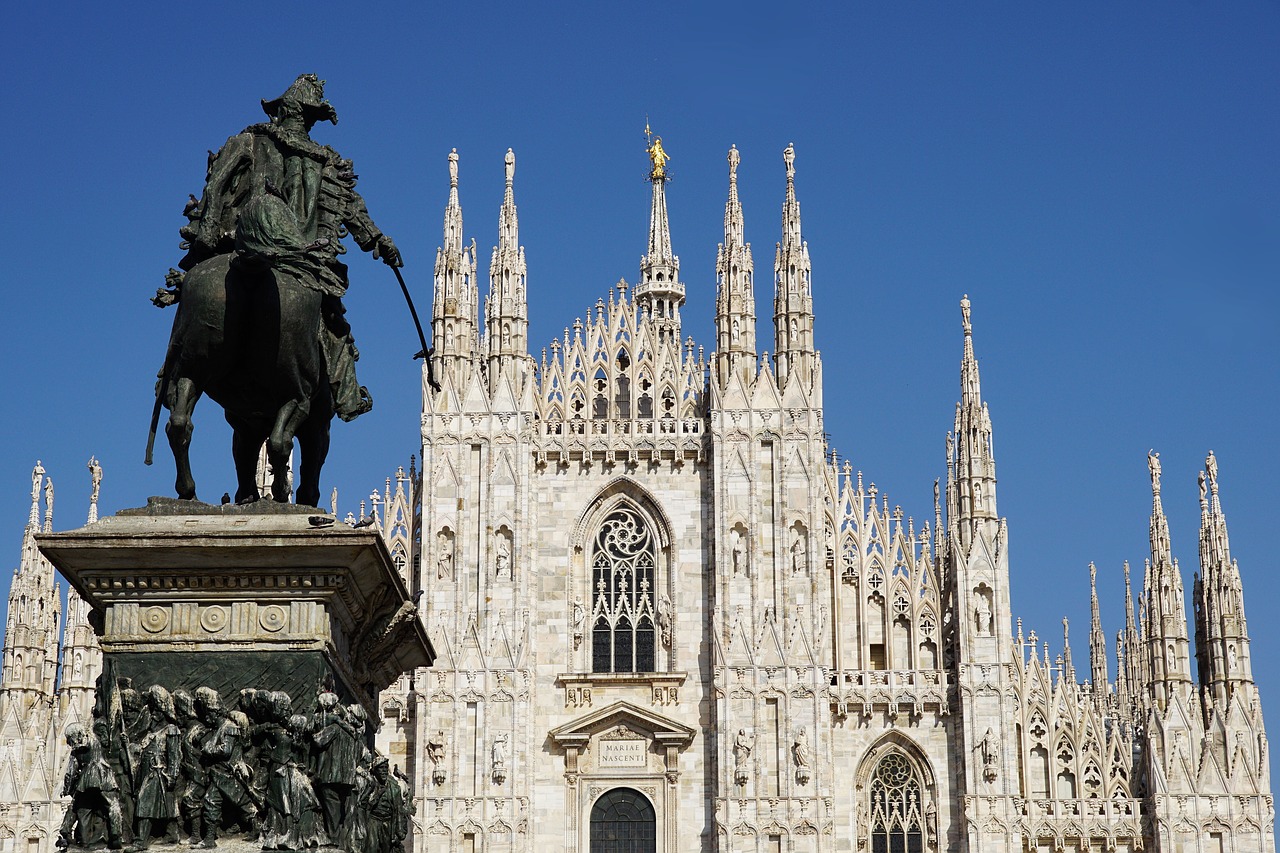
(657, 156)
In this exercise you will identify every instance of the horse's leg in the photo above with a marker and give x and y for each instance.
(280, 444)
(246, 439)
(313, 447)
(178, 430)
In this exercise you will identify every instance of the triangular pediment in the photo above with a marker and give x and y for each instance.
(639, 720)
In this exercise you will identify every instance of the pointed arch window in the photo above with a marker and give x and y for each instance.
(897, 825)
(624, 555)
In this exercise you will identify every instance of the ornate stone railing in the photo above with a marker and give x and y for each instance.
(867, 690)
(638, 438)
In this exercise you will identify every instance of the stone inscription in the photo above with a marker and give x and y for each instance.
(623, 753)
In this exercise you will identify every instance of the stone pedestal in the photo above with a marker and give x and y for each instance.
(267, 596)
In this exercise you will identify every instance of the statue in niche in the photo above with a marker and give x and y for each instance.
(221, 752)
(337, 748)
(498, 759)
(435, 754)
(988, 751)
(444, 556)
(94, 792)
(736, 331)
(743, 743)
(739, 553)
(157, 770)
(579, 617)
(802, 756)
(664, 619)
(982, 614)
(502, 558)
(386, 816)
(799, 554)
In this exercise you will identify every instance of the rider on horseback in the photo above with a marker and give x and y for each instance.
(282, 202)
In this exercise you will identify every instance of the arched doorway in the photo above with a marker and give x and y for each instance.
(623, 821)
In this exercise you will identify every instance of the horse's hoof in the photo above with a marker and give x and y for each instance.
(247, 499)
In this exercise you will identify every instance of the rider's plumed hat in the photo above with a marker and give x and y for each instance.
(306, 95)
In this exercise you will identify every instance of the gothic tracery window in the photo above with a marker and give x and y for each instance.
(897, 825)
(622, 580)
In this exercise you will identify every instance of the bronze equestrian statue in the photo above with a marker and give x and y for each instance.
(260, 326)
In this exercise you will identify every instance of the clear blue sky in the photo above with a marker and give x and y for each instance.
(1104, 184)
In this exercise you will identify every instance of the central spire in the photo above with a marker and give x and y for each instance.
(660, 292)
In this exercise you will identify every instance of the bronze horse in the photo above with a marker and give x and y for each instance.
(249, 338)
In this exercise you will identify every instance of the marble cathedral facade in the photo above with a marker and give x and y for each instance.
(669, 618)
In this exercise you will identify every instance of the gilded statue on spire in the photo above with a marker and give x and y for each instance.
(658, 155)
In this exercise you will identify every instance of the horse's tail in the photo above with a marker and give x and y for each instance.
(162, 390)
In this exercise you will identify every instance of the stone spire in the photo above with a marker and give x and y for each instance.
(973, 468)
(81, 655)
(506, 317)
(660, 292)
(1222, 637)
(1165, 619)
(735, 297)
(1097, 639)
(37, 479)
(1132, 646)
(31, 632)
(454, 320)
(1068, 668)
(793, 292)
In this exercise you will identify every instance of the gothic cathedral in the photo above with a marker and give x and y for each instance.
(670, 618)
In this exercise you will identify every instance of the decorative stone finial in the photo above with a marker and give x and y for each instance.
(95, 479)
(964, 315)
(1211, 469)
(37, 477)
(734, 159)
(789, 157)
(510, 161)
(48, 505)
(1153, 465)
(453, 168)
